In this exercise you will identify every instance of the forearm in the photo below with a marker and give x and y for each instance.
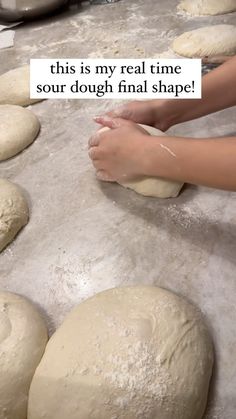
(218, 92)
(209, 162)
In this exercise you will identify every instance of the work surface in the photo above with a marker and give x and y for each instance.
(83, 236)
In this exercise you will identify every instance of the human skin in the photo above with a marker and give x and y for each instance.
(126, 151)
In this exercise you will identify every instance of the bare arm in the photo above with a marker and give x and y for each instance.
(218, 92)
(209, 162)
(126, 152)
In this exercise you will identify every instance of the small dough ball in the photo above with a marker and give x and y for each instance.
(23, 337)
(14, 212)
(154, 186)
(18, 128)
(134, 352)
(15, 87)
(207, 41)
(207, 7)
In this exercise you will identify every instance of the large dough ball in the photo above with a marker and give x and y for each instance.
(207, 7)
(207, 41)
(23, 337)
(154, 186)
(14, 212)
(18, 128)
(15, 87)
(129, 353)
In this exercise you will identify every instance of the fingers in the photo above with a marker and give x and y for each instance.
(94, 140)
(93, 153)
(112, 123)
(106, 121)
(104, 176)
(122, 111)
(100, 173)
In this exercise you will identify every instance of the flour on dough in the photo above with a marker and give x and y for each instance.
(14, 212)
(15, 87)
(207, 7)
(207, 41)
(133, 352)
(153, 186)
(23, 337)
(18, 128)
(169, 53)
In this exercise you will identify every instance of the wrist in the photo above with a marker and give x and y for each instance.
(168, 114)
(151, 157)
(161, 157)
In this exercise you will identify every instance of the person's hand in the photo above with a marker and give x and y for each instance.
(156, 113)
(119, 154)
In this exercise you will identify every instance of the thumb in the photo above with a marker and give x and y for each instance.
(112, 123)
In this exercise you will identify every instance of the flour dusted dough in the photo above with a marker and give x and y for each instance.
(153, 186)
(23, 337)
(15, 87)
(209, 40)
(18, 128)
(127, 353)
(14, 212)
(207, 7)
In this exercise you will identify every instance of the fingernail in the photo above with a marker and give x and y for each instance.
(106, 118)
(103, 118)
(101, 175)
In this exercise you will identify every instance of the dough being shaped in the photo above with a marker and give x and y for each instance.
(207, 41)
(23, 337)
(134, 352)
(15, 87)
(18, 128)
(14, 212)
(154, 186)
(207, 7)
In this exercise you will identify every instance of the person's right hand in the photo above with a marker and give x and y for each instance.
(149, 112)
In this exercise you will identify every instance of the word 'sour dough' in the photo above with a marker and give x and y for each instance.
(153, 186)
(23, 337)
(207, 41)
(18, 128)
(134, 352)
(207, 7)
(14, 212)
(15, 87)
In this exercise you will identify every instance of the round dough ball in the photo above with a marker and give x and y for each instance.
(14, 212)
(207, 41)
(207, 7)
(154, 186)
(134, 352)
(23, 337)
(15, 87)
(18, 128)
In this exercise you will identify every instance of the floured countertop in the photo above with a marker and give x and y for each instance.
(84, 236)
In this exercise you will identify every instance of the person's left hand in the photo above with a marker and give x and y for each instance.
(119, 154)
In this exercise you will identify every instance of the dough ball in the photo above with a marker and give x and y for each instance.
(15, 87)
(23, 337)
(153, 186)
(134, 352)
(207, 7)
(18, 128)
(209, 40)
(14, 212)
